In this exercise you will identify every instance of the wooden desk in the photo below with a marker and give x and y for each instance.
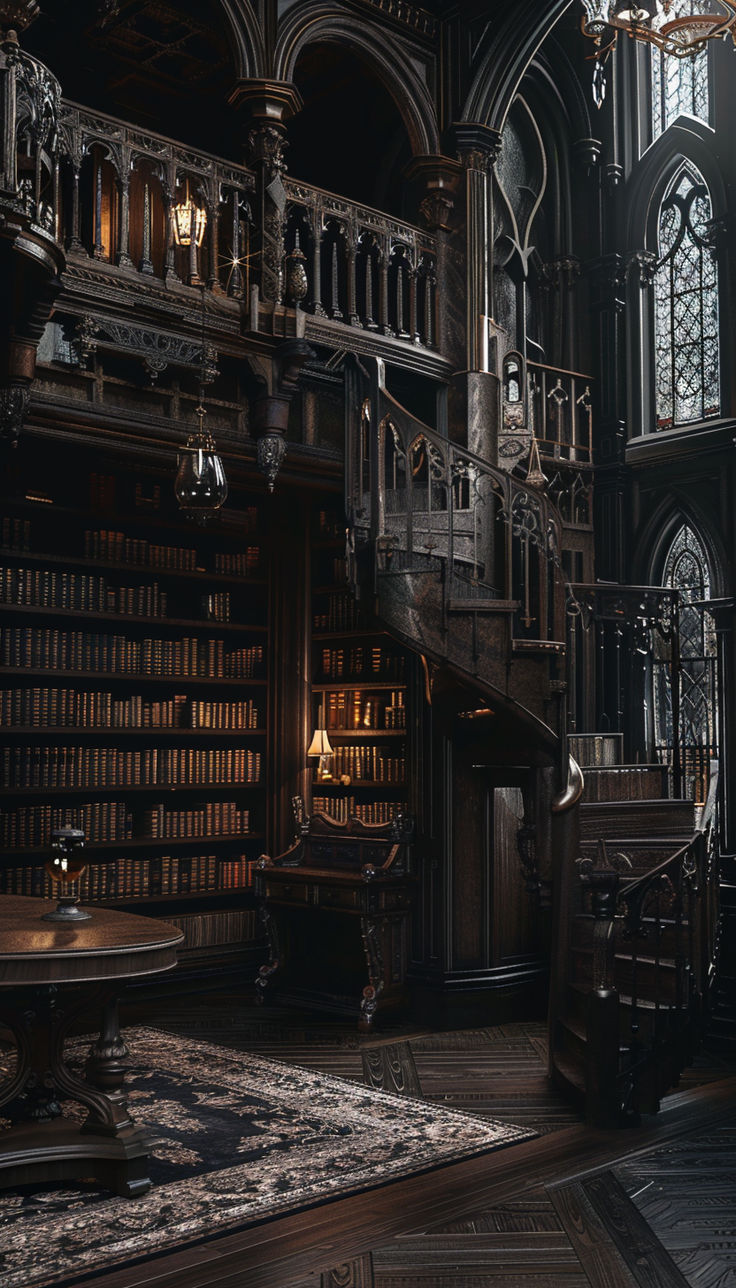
(50, 974)
(336, 908)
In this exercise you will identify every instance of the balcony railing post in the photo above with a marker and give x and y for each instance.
(169, 188)
(123, 256)
(383, 289)
(413, 328)
(351, 234)
(318, 307)
(146, 263)
(213, 233)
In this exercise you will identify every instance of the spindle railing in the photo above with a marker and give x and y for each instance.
(653, 967)
(430, 505)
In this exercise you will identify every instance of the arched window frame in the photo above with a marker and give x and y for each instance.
(685, 304)
(683, 564)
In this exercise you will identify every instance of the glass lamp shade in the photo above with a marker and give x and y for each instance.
(200, 485)
(65, 864)
(188, 222)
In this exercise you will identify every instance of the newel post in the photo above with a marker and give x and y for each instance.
(602, 1098)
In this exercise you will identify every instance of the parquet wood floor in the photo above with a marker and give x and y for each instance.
(572, 1209)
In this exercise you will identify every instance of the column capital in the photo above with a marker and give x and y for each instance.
(478, 146)
(267, 102)
(439, 176)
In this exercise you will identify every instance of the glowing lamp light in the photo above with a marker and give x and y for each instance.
(188, 222)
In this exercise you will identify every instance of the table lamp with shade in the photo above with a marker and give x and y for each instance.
(320, 746)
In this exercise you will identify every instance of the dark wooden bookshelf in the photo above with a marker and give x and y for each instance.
(345, 637)
(84, 537)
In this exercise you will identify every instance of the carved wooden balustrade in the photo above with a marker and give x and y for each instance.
(362, 267)
(651, 969)
(31, 257)
(119, 186)
(343, 263)
(29, 107)
(466, 557)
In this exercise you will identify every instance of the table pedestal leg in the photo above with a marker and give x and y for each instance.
(43, 1145)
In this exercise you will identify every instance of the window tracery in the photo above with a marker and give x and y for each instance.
(686, 349)
(686, 571)
(679, 87)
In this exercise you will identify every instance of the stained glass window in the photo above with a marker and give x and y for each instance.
(679, 87)
(686, 571)
(687, 364)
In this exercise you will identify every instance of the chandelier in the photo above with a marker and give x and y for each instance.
(677, 27)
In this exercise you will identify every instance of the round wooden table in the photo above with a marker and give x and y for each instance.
(50, 975)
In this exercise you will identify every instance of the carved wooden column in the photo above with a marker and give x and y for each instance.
(267, 106)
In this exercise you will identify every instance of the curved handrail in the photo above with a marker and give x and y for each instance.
(571, 793)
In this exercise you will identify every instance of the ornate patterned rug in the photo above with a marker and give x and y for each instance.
(238, 1139)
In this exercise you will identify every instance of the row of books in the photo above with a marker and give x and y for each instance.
(210, 929)
(224, 715)
(30, 826)
(85, 592)
(215, 818)
(352, 709)
(359, 663)
(345, 807)
(216, 606)
(40, 707)
(51, 650)
(75, 767)
(116, 547)
(242, 563)
(339, 614)
(369, 763)
(15, 534)
(127, 878)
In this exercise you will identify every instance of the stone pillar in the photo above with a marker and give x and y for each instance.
(478, 147)
(266, 107)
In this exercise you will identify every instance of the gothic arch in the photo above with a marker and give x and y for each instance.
(657, 535)
(248, 49)
(325, 23)
(686, 140)
(507, 57)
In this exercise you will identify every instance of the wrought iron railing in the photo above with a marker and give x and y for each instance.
(616, 637)
(561, 412)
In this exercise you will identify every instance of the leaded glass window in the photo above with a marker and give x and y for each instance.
(686, 571)
(686, 305)
(679, 87)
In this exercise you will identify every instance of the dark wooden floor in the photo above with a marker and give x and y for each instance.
(647, 1207)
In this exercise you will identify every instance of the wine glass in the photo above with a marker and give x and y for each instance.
(65, 864)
